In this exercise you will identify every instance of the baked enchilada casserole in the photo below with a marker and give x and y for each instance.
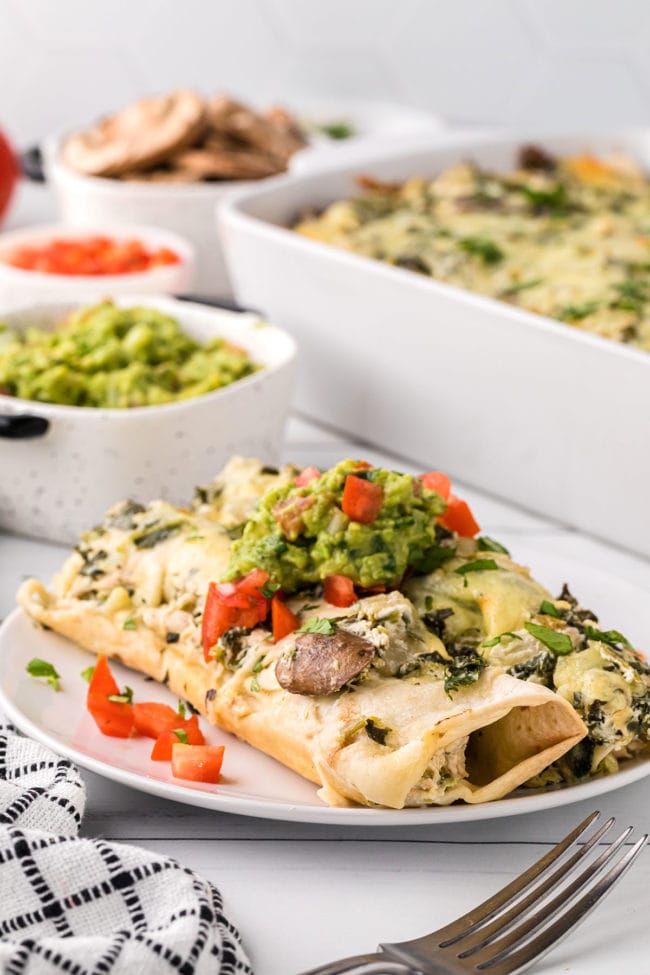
(568, 238)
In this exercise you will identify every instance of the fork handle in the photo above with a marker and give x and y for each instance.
(374, 964)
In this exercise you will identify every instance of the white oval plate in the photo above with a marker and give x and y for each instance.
(253, 784)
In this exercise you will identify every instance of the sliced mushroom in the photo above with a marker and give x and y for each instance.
(322, 664)
(213, 163)
(142, 135)
(285, 123)
(251, 129)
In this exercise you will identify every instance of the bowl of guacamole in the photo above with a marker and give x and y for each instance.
(132, 397)
(114, 357)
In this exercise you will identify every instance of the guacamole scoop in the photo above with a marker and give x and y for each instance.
(115, 358)
(301, 534)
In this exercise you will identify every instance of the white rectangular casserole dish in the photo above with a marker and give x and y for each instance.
(533, 410)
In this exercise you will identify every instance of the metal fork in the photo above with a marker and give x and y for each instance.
(499, 936)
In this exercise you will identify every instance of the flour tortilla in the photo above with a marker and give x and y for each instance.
(477, 746)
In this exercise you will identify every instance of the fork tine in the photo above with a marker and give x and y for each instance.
(469, 922)
(524, 957)
(494, 947)
(373, 964)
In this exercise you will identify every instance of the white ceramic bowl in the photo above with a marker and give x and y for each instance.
(538, 412)
(72, 462)
(188, 209)
(20, 287)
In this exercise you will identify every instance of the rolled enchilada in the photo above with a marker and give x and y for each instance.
(388, 701)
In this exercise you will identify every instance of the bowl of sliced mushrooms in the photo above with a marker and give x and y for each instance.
(166, 160)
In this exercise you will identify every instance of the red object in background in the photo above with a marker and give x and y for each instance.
(8, 174)
(90, 256)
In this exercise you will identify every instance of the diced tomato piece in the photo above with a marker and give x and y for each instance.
(162, 749)
(229, 604)
(113, 718)
(90, 255)
(339, 591)
(307, 476)
(151, 718)
(362, 500)
(253, 582)
(438, 482)
(459, 518)
(197, 763)
(164, 256)
(283, 620)
(193, 731)
(102, 680)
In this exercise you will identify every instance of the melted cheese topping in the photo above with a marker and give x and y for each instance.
(566, 238)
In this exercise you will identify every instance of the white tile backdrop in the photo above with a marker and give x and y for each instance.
(558, 62)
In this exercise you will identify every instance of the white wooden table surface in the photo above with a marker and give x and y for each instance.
(303, 894)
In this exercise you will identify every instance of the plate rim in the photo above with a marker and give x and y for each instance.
(269, 808)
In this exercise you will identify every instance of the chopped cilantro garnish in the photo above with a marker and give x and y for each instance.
(181, 734)
(42, 668)
(497, 639)
(559, 643)
(487, 544)
(432, 559)
(554, 200)
(632, 295)
(126, 697)
(128, 624)
(87, 674)
(255, 686)
(575, 313)
(478, 565)
(181, 708)
(612, 637)
(550, 609)
(318, 625)
(515, 289)
(269, 589)
(481, 247)
(337, 130)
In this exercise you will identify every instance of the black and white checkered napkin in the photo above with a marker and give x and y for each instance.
(88, 907)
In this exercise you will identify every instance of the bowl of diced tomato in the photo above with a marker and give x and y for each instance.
(87, 263)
